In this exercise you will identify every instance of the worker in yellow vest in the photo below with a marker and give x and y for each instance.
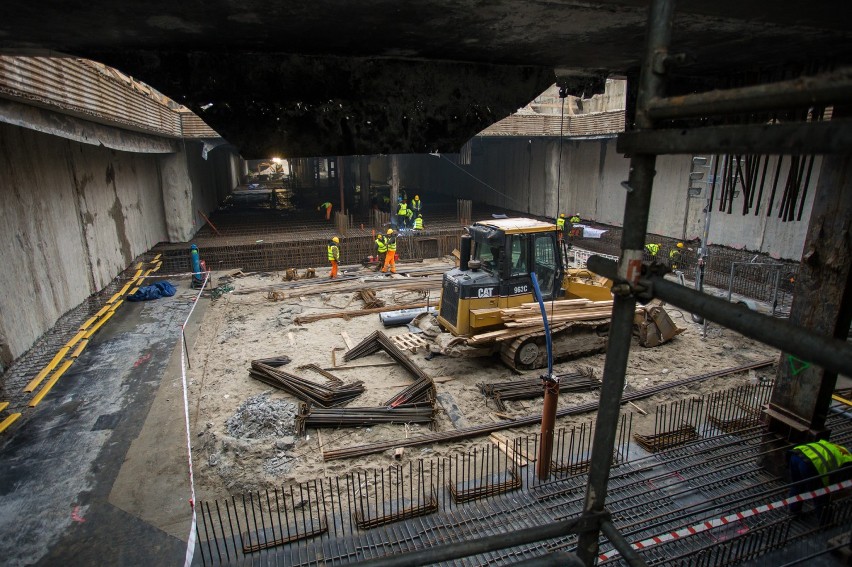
(575, 219)
(814, 466)
(418, 222)
(334, 255)
(381, 249)
(402, 214)
(390, 257)
(327, 207)
(652, 250)
(675, 256)
(417, 205)
(576, 231)
(560, 226)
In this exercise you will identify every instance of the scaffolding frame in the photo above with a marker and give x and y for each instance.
(635, 281)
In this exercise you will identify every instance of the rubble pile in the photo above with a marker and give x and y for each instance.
(259, 417)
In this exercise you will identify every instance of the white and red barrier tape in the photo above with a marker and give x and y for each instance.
(717, 522)
(190, 544)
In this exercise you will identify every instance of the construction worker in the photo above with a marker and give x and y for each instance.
(390, 257)
(417, 205)
(814, 466)
(327, 207)
(418, 222)
(334, 255)
(381, 248)
(576, 231)
(402, 214)
(560, 226)
(652, 250)
(675, 256)
(409, 217)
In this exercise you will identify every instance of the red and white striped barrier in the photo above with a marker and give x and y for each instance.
(190, 544)
(717, 522)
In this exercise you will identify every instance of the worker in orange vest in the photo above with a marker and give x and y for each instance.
(334, 255)
(390, 257)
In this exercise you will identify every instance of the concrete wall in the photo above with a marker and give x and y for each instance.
(73, 216)
(522, 174)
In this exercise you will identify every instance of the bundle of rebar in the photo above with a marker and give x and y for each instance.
(421, 391)
(303, 389)
(486, 488)
(666, 440)
(363, 416)
(377, 341)
(530, 388)
(380, 519)
(368, 296)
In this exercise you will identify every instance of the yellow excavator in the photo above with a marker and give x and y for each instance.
(493, 283)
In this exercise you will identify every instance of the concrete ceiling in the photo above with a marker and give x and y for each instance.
(374, 76)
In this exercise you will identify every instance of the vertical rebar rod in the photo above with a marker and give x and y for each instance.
(636, 209)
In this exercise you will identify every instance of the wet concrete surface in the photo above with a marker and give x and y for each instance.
(62, 462)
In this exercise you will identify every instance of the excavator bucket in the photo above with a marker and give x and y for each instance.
(655, 327)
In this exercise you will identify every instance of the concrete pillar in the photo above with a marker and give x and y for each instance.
(177, 197)
(394, 189)
(823, 303)
(364, 170)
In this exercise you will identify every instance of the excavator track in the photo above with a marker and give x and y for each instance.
(570, 340)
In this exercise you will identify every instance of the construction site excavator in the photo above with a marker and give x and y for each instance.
(493, 281)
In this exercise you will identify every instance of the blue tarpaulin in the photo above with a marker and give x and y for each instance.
(155, 291)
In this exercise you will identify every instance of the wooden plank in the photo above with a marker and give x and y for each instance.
(349, 343)
(504, 444)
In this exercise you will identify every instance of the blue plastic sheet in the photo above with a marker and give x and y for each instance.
(155, 291)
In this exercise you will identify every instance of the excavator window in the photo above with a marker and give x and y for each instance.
(546, 267)
(490, 257)
(519, 255)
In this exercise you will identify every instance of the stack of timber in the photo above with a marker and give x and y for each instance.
(526, 318)
(303, 389)
(363, 416)
(530, 388)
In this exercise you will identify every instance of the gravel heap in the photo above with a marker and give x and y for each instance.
(259, 417)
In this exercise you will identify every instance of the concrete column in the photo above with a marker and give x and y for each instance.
(823, 303)
(364, 170)
(177, 197)
(394, 189)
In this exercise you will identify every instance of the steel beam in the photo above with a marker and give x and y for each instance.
(819, 90)
(832, 354)
(799, 138)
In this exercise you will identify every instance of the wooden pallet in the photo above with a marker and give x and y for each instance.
(410, 342)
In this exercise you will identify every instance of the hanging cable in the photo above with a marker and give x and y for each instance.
(563, 94)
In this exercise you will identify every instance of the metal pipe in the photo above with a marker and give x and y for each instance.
(636, 209)
(824, 89)
(622, 545)
(830, 353)
(461, 549)
(464, 251)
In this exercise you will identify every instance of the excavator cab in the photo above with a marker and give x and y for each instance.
(497, 259)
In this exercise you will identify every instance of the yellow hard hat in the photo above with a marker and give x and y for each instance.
(335, 240)
(680, 244)
(417, 196)
(390, 231)
(562, 215)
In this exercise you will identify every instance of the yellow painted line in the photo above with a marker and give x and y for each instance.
(86, 325)
(145, 275)
(80, 348)
(137, 274)
(841, 400)
(116, 304)
(8, 421)
(123, 290)
(113, 298)
(98, 325)
(50, 383)
(103, 310)
(46, 370)
(134, 290)
(75, 338)
(157, 257)
(157, 267)
(139, 265)
(4, 405)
